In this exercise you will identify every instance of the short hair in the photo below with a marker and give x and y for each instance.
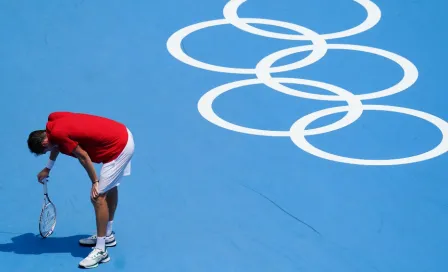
(35, 140)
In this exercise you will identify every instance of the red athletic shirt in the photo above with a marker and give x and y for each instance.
(103, 139)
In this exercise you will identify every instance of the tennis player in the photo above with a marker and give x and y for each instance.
(90, 139)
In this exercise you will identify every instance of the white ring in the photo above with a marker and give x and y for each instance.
(205, 107)
(175, 48)
(409, 78)
(319, 47)
(230, 12)
(298, 136)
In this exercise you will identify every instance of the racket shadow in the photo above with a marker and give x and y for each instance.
(30, 244)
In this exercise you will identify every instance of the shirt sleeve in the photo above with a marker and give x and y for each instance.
(65, 144)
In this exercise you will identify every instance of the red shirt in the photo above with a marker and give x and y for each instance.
(103, 139)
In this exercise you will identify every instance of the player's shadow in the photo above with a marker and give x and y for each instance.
(30, 244)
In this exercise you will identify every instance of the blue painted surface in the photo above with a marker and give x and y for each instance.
(201, 198)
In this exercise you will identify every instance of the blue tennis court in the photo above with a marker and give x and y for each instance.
(270, 136)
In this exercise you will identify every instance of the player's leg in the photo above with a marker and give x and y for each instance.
(108, 182)
(112, 202)
(102, 217)
(124, 160)
(99, 253)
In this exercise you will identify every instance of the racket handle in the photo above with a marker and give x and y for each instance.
(45, 180)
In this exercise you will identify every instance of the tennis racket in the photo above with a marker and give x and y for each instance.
(47, 220)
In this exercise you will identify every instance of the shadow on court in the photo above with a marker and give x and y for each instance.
(30, 244)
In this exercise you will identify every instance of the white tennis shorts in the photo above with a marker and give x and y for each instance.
(112, 172)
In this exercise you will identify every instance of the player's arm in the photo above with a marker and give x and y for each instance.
(53, 156)
(86, 162)
(46, 171)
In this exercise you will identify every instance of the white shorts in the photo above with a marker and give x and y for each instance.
(112, 172)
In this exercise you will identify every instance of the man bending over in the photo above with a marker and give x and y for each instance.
(90, 139)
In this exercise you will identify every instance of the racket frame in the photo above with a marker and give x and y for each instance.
(45, 205)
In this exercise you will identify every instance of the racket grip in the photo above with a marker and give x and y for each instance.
(44, 181)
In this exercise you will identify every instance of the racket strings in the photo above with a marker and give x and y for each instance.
(48, 219)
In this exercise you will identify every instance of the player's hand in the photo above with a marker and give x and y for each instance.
(94, 192)
(42, 175)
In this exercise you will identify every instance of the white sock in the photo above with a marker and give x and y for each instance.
(109, 228)
(101, 243)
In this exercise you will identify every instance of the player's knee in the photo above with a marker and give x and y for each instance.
(99, 200)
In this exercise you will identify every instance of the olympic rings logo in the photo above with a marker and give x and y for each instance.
(318, 49)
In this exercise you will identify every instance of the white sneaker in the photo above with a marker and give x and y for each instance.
(91, 241)
(94, 258)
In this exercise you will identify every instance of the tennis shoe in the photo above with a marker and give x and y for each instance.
(91, 241)
(94, 258)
